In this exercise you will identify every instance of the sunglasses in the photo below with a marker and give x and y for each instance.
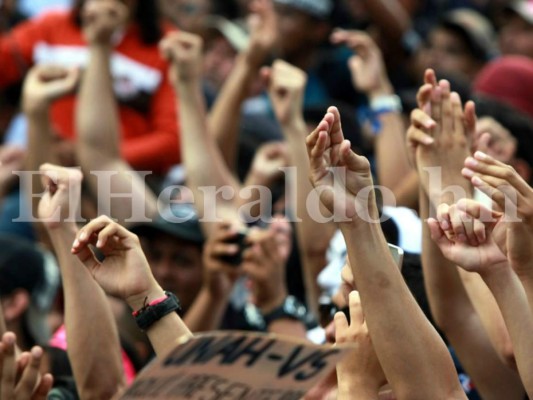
(327, 311)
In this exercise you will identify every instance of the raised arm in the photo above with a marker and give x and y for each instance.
(97, 120)
(369, 76)
(93, 341)
(224, 118)
(286, 91)
(125, 273)
(480, 253)
(201, 156)
(412, 371)
(43, 85)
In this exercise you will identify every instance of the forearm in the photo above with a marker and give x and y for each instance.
(93, 341)
(288, 327)
(355, 390)
(313, 237)
(165, 333)
(98, 141)
(390, 307)
(206, 313)
(456, 317)
(224, 118)
(390, 16)
(201, 156)
(527, 283)
(391, 153)
(512, 300)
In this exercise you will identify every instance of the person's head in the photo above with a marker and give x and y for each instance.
(28, 283)
(174, 251)
(303, 26)
(224, 40)
(461, 43)
(186, 14)
(516, 29)
(144, 13)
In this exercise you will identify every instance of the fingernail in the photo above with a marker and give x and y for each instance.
(36, 352)
(83, 236)
(445, 225)
(99, 243)
(467, 172)
(76, 243)
(10, 339)
(480, 155)
(476, 181)
(428, 140)
(471, 162)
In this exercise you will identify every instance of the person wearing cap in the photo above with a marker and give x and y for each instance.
(28, 284)
(174, 251)
(460, 44)
(516, 30)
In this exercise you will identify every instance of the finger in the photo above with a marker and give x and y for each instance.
(423, 96)
(44, 386)
(353, 161)
(430, 77)
(437, 234)
(341, 327)
(9, 368)
(317, 152)
(416, 137)
(336, 134)
(29, 377)
(483, 142)
(468, 225)
(491, 190)
(22, 362)
(356, 309)
(457, 222)
(470, 119)
(447, 108)
(91, 230)
(458, 124)
(443, 216)
(436, 109)
(479, 231)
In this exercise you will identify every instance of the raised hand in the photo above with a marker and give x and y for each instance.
(451, 131)
(102, 18)
(337, 173)
(264, 264)
(368, 70)
(360, 372)
(220, 276)
(184, 51)
(286, 87)
(502, 184)
(61, 202)
(267, 164)
(264, 33)
(46, 83)
(466, 234)
(124, 272)
(20, 378)
(495, 139)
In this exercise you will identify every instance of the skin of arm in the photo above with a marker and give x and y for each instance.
(449, 302)
(390, 308)
(125, 274)
(359, 376)
(286, 91)
(224, 118)
(487, 259)
(446, 146)
(207, 310)
(43, 85)
(93, 341)
(97, 120)
(370, 77)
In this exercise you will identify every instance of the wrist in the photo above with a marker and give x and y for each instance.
(385, 88)
(61, 229)
(139, 300)
(497, 275)
(36, 109)
(355, 387)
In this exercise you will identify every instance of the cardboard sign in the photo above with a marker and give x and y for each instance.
(237, 366)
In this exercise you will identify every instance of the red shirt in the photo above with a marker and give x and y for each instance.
(147, 105)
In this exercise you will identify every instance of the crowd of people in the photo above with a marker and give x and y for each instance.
(339, 171)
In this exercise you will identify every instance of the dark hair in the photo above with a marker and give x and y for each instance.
(146, 17)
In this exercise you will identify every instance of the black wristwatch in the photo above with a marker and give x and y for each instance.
(151, 313)
(291, 308)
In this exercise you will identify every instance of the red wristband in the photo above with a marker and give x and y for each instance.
(151, 304)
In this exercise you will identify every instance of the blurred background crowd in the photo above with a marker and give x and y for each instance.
(169, 96)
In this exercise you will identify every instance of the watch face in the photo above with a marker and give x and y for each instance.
(293, 307)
